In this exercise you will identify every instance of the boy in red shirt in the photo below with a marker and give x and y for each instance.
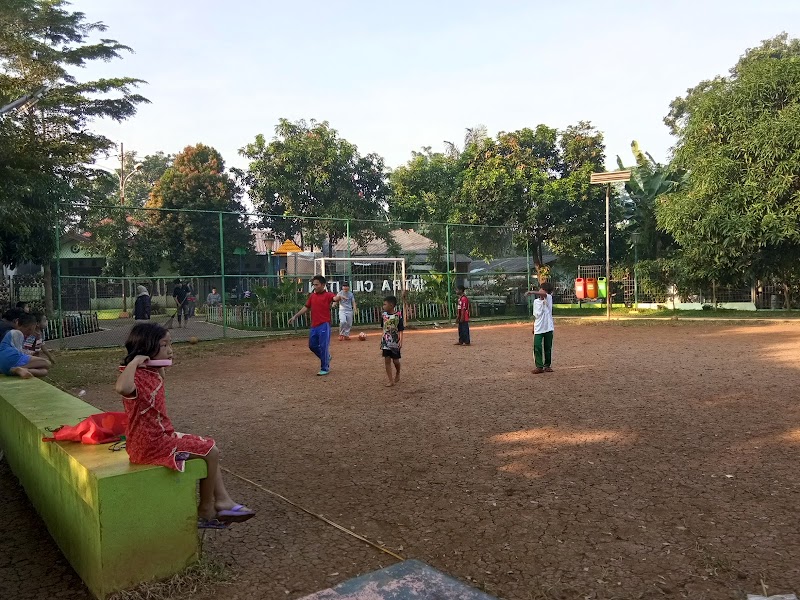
(319, 338)
(462, 317)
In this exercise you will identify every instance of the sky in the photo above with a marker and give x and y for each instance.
(393, 77)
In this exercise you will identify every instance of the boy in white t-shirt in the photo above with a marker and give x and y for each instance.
(347, 308)
(543, 328)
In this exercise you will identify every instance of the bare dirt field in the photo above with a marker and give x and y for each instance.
(658, 460)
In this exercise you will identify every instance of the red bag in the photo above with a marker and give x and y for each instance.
(102, 428)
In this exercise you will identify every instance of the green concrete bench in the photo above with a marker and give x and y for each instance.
(117, 524)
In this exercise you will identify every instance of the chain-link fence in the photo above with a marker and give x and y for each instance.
(217, 274)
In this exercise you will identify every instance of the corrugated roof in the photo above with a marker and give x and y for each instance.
(408, 240)
(511, 264)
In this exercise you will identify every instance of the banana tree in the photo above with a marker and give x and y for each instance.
(650, 182)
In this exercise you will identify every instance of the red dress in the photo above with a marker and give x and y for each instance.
(151, 439)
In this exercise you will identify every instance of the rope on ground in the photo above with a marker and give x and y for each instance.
(313, 514)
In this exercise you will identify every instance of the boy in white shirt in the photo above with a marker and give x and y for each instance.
(543, 328)
(347, 308)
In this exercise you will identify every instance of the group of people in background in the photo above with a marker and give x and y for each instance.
(320, 300)
(22, 347)
(185, 301)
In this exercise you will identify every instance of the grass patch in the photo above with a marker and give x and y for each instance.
(196, 579)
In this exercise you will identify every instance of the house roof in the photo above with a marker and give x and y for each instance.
(511, 264)
(287, 247)
(408, 240)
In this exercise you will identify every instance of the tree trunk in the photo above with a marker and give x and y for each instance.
(538, 262)
(331, 242)
(787, 296)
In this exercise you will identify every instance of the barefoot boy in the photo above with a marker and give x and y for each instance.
(392, 340)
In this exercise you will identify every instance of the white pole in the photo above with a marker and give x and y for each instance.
(403, 286)
(608, 255)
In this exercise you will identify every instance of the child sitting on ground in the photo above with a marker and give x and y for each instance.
(150, 437)
(13, 360)
(34, 344)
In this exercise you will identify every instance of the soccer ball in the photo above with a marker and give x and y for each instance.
(193, 340)
(362, 336)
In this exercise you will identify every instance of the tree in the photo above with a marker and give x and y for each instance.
(425, 191)
(536, 182)
(44, 152)
(308, 171)
(186, 202)
(649, 181)
(138, 187)
(119, 226)
(739, 141)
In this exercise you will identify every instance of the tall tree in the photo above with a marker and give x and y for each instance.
(120, 227)
(44, 152)
(187, 201)
(308, 170)
(537, 183)
(739, 140)
(149, 170)
(424, 193)
(650, 180)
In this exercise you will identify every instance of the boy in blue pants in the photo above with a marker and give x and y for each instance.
(319, 338)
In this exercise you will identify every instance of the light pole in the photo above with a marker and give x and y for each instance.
(608, 179)
(635, 241)
(26, 102)
(123, 179)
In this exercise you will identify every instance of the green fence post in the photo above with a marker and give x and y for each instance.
(529, 306)
(58, 280)
(349, 264)
(449, 290)
(222, 272)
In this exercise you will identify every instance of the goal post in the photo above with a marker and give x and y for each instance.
(369, 275)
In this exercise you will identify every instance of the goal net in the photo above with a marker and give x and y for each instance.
(368, 277)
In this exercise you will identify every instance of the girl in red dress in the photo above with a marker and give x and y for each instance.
(151, 439)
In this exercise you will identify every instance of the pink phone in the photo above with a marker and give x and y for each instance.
(164, 362)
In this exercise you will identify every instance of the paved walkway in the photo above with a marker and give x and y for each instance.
(114, 332)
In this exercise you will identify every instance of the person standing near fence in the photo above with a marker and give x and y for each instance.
(213, 299)
(543, 327)
(462, 317)
(191, 299)
(347, 308)
(181, 295)
(319, 338)
(141, 309)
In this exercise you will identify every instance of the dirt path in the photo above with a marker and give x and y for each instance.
(658, 459)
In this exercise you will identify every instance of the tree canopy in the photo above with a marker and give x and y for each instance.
(739, 141)
(120, 232)
(46, 153)
(308, 170)
(532, 183)
(194, 186)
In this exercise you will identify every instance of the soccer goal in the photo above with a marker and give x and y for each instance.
(380, 276)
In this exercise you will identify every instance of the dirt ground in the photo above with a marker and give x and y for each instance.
(657, 460)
